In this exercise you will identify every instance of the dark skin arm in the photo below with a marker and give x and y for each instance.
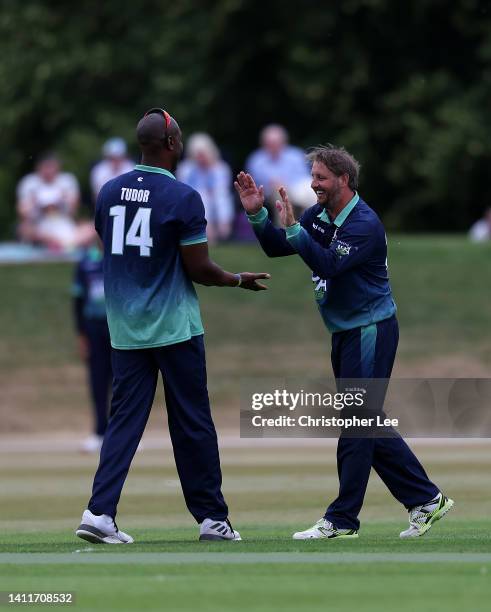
(201, 269)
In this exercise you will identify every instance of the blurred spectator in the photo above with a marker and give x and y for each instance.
(93, 338)
(205, 171)
(115, 163)
(277, 163)
(47, 201)
(481, 230)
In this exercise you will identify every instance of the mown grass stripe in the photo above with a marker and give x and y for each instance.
(91, 557)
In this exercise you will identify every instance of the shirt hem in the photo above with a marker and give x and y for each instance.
(371, 322)
(191, 241)
(126, 347)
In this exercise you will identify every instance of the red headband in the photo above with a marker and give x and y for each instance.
(162, 112)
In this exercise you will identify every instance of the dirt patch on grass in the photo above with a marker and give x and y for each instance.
(443, 366)
(44, 398)
(56, 398)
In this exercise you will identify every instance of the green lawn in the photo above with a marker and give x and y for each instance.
(449, 536)
(237, 587)
(440, 285)
(271, 492)
(240, 576)
(443, 295)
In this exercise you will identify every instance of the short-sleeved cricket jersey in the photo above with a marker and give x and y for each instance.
(143, 217)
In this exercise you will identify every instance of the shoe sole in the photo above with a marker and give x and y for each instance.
(208, 537)
(436, 517)
(96, 536)
(352, 536)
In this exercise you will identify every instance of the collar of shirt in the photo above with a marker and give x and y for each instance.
(341, 218)
(144, 168)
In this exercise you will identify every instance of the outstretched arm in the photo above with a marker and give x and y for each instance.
(272, 240)
(201, 269)
(326, 262)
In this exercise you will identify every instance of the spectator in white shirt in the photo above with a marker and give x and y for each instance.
(47, 202)
(115, 163)
(205, 171)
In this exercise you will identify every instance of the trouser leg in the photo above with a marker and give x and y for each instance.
(100, 372)
(354, 455)
(367, 353)
(402, 473)
(354, 459)
(191, 428)
(134, 381)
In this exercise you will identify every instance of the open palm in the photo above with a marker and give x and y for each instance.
(285, 209)
(251, 196)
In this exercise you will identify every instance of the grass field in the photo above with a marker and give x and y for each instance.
(271, 493)
(439, 285)
(443, 300)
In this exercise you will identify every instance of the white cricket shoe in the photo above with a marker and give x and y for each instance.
(101, 529)
(92, 444)
(324, 529)
(217, 530)
(421, 518)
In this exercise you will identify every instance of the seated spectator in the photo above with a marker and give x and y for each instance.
(277, 163)
(205, 171)
(47, 201)
(481, 230)
(115, 163)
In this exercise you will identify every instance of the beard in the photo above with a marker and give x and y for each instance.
(331, 198)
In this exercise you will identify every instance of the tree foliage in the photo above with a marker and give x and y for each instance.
(404, 86)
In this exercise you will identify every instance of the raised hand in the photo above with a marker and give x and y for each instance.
(251, 196)
(285, 209)
(248, 280)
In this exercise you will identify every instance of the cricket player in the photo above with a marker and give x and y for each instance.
(342, 241)
(154, 233)
(93, 338)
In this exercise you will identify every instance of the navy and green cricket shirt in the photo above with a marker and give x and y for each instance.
(88, 289)
(348, 259)
(143, 217)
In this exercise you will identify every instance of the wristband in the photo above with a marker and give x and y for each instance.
(258, 218)
(293, 230)
(239, 277)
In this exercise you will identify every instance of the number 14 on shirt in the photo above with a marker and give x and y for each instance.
(138, 233)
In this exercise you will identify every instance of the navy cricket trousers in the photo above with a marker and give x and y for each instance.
(369, 352)
(100, 372)
(191, 427)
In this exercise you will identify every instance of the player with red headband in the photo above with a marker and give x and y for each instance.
(154, 233)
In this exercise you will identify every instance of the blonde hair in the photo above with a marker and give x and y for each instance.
(200, 141)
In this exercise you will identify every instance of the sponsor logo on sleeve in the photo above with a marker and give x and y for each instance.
(342, 248)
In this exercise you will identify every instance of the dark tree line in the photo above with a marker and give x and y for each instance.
(405, 86)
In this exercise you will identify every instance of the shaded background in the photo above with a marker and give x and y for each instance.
(404, 86)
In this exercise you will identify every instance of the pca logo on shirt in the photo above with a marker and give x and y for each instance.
(343, 248)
